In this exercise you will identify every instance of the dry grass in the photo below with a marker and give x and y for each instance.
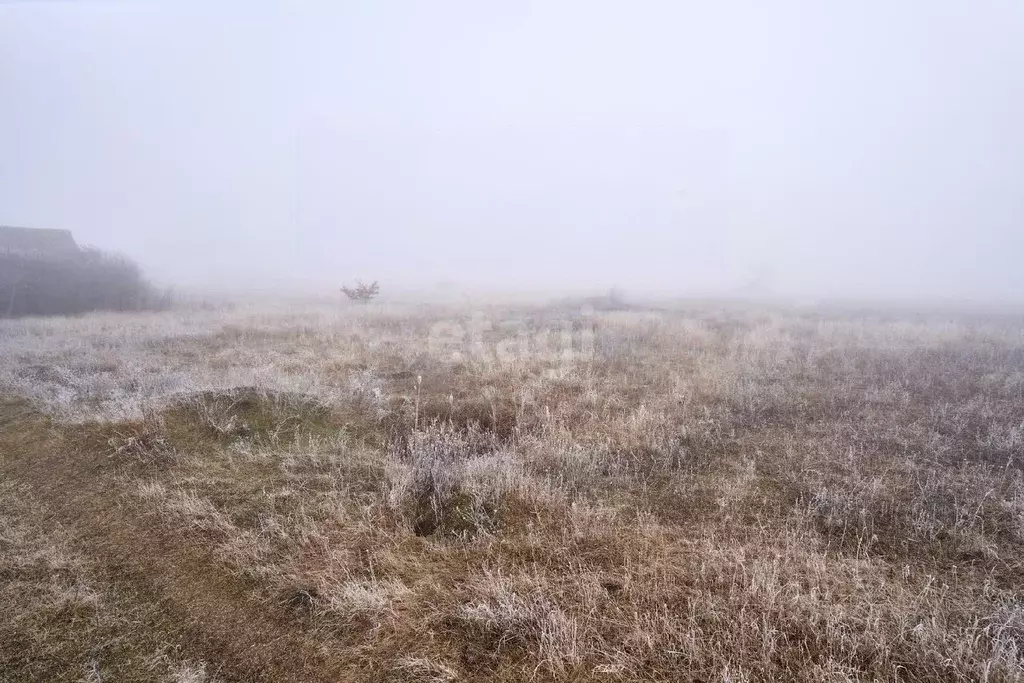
(61, 622)
(723, 493)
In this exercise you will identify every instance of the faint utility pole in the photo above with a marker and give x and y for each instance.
(15, 282)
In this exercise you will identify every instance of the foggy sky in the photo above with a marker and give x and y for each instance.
(872, 148)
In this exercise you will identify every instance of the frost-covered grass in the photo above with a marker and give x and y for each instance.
(704, 492)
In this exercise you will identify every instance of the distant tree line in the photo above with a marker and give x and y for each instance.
(91, 280)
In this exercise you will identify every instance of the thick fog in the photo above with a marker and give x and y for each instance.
(809, 148)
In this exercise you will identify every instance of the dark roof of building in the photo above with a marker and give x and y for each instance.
(43, 241)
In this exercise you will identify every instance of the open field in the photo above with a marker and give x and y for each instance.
(711, 492)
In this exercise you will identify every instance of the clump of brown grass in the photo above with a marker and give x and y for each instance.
(517, 614)
(452, 482)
